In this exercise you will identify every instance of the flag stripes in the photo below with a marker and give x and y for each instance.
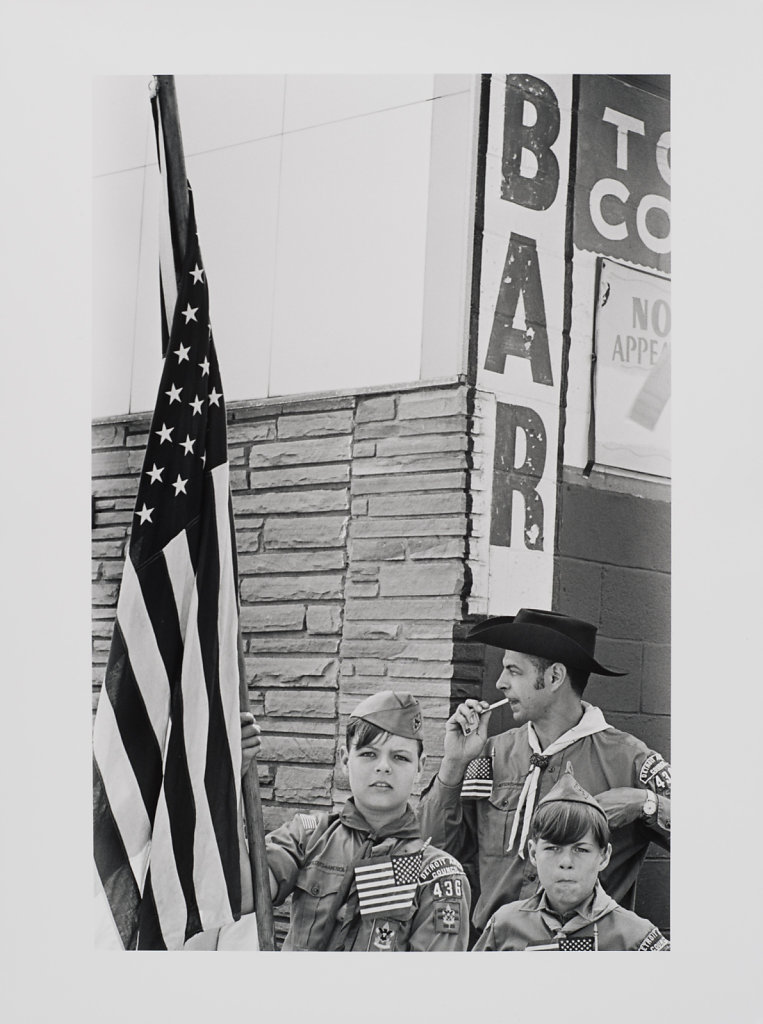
(387, 885)
(167, 737)
(478, 779)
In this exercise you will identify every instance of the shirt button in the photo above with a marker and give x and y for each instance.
(315, 890)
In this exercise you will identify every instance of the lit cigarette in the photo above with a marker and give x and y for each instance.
(498, 704)
(469, 729)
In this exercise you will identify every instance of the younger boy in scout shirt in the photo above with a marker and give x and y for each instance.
(363, 879)
(569, 846)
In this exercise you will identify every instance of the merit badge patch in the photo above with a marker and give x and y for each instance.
(447, 918)
(383, 937)
(657, 769)
(309, 822)
(654, 942)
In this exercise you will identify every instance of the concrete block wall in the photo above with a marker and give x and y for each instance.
(612, 567)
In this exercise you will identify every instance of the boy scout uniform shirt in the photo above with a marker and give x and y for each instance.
(529, 923)
(309, 857)
(481, 828)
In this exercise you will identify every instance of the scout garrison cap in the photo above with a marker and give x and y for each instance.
(569, 791)
(398, 713)
(545, 635)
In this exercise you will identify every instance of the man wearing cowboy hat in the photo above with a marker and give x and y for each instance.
(480, 803)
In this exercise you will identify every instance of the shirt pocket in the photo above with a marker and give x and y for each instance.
(312, 901)
(386, 933)
(496, 817)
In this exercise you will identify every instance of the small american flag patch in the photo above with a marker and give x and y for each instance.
(309, 822)
(585, 943)
(388, 884)
(478, 779)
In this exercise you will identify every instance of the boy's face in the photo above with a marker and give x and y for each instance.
(382, 774)
(568, 873)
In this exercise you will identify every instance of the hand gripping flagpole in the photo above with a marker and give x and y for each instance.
(178, 198)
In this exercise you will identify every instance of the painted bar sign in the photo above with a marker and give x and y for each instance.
(632, 387)
(622, 178)
(520, 338)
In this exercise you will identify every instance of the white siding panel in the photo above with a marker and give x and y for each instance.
(322, 99)
(350, 266)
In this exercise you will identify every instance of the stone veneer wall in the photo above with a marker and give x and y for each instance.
(351, 515)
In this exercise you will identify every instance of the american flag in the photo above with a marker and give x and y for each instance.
(565, 944)
(167, 740)
(388, 884)
(478, 779)
(584, 943)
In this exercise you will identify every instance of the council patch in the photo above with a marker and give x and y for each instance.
(440, 867)
(655, 768)
(654, 942)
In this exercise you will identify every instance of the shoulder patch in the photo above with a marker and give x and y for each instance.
(441, 866)
(309, 822)
(655, 769)
(654, 942)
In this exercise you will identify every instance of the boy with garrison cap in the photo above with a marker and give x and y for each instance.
(363, 879)
(569, 846)
(480, 804)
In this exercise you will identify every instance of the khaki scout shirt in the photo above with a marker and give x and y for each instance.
(309, 857)
(532, 923)
(480, 829)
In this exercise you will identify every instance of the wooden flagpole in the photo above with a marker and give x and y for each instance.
(178, 197)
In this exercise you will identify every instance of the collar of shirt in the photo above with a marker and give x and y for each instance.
(595, 907)
(404, 827)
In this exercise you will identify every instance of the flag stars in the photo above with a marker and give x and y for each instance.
(214, 397)
(165, 433)
(156, 473)
(204, 367)
(174, 393)
(190, 313)
(182, 352)
(196, 405)
(197, 274)
(145, 514)
(188, 444)
(179, 486)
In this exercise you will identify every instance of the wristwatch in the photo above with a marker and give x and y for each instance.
(650, 804)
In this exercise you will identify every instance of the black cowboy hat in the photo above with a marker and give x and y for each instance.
(545, 635)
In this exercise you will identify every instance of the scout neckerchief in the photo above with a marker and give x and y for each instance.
(592, 721)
